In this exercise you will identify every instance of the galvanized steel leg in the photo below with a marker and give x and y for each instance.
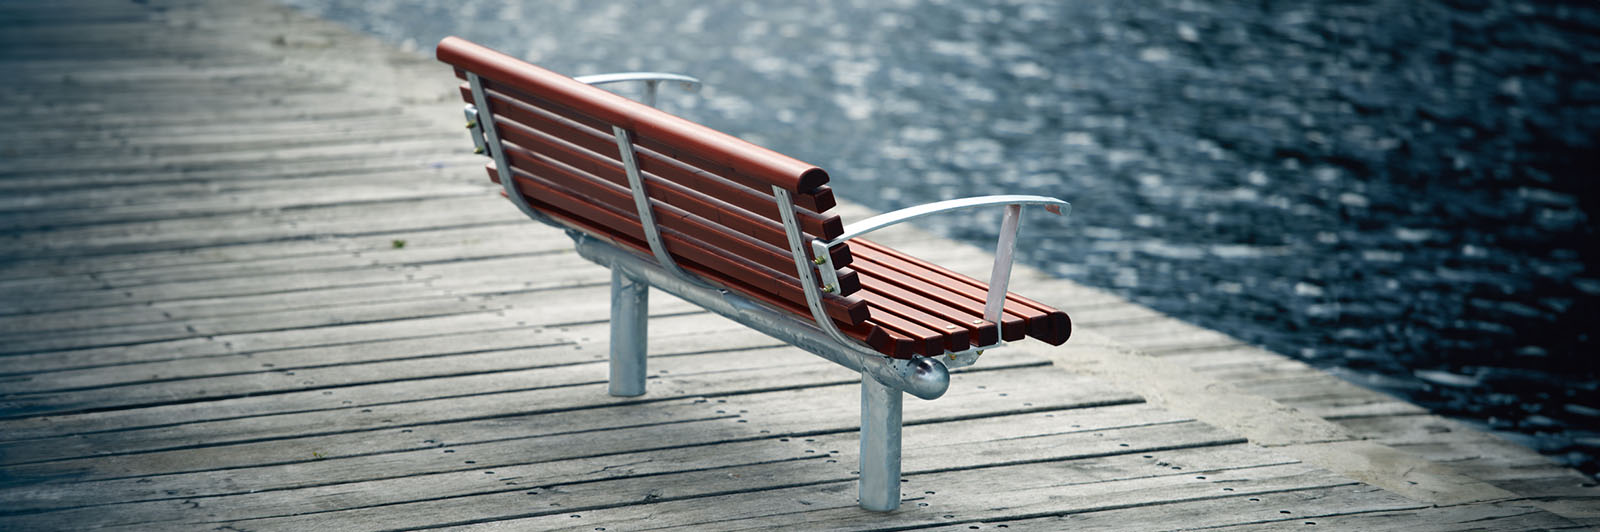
(630, 301)
(879, 489)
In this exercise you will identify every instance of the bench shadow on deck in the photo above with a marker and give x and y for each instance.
(240, 293)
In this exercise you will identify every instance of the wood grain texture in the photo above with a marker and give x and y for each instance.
(239, 288)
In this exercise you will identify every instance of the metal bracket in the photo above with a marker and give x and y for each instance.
(641, 201)
(808, 284)
(485, 121)
(961, 359)
(824, 261)
(474, 129)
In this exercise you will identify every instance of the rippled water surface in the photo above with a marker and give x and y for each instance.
(1399, 191)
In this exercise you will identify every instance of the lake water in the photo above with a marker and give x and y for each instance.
(1397, 191)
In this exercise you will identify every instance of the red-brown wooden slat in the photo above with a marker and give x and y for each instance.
(907, 274)
(601, 141)
(690, 200)
(881, 339)
(620, 199)
(1062, 323)
(1012, 328)
(878, 338)
(658, 146)
(951, 281)
(1050, 325)
(1044, 322)
(669, 218)
(747, 159)
(898, 346)
(982, 332)
(954, 335)
(598, 137)
(755, 275)
(928, 342)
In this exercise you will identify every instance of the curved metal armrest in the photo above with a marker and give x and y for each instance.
(618, 77)
(999, 275)
(650, 79)
(939, 207)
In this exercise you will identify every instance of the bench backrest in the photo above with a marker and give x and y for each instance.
(711, 193)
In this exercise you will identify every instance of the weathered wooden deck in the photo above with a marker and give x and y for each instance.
(252, 279)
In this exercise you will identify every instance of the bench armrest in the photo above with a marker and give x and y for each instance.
(650, 79)
(939, 207)
(999, 274)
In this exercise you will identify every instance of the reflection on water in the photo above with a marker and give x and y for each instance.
(1398, 191)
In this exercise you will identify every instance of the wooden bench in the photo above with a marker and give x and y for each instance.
(745, 233)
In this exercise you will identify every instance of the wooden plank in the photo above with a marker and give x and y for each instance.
(200, 433)
(212, 200)
(1486, 457)
(791, 462)
(677, 207)
(1296, 509)
(692, 253)
(222, 174)
(974, 495)
(419, 145)
(982, 332)
(444, 354)
(106, 297)
(287, 322)
(1490, 517)
(334, 218)
(595, 152)
(467, 333)
(344, 281)
(501, 436)
(1047, 324)
(175, 313)
(241, 138)
(242, 344)
(321, 223)
(428, 268)
(676, 472)
(376, 247)
(442, 401)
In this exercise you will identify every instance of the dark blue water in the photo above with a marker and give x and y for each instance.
(1400, 191)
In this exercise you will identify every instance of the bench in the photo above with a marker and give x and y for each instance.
(745, 233)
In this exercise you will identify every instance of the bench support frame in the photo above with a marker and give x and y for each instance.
(882, 378)
(630, 326)
(879, 485)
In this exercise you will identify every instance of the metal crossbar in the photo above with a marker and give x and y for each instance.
(641, 200)
(485, 127)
